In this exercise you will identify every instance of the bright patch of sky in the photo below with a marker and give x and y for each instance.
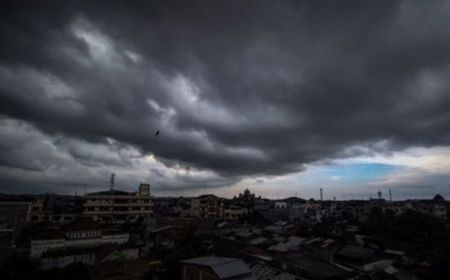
(356, 173)
(404, 173)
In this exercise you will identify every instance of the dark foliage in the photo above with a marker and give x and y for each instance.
(427, 237)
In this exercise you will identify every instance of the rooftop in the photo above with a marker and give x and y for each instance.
(82, 226)
(224, 268)
(438, 197)
(356, 252)
(110, 192)
(317, 268)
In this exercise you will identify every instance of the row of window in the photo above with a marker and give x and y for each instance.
(118, 201)
(116, 209)
(84, 235)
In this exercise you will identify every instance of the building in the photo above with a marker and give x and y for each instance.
(164, 237)
(120, 270)
(216, 268)
(322, 248)
(365, 259)
(279, 227)
(436, 206)
(396, 207)
(207, 206)
(246, 196)
(281, 204)
(295, 202)
(28, 210)
(17, 210)
(234, 212)
(60, 258)
(14, 214)
(357, 209)
(117, 207)
(307, 267)
(75, 235)
(292, 244)
(39, 212)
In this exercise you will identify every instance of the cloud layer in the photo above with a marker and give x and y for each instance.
(237, 90)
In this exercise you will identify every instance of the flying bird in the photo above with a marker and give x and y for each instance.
(157, 133)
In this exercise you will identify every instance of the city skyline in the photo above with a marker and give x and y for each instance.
(208, 97)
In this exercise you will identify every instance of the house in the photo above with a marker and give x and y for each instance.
(308, 267)
(215, 268)
(280, 204)
(320, 247)
(361, 258)
(164, 237)
(234, 212)
(207, 206)
(245, 235)
(291, 245)
(294, 202)
(121, 270)
(262, 204)
(279, 227)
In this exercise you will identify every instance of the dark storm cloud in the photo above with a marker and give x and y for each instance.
(239, 87)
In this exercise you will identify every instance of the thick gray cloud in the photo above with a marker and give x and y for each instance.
(239, 89)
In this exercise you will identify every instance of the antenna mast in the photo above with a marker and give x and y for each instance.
(111, 182)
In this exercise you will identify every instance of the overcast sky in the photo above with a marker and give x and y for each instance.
(282, 97)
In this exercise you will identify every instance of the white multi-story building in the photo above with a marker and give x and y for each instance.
(115, 206)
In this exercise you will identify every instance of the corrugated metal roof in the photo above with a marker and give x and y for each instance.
(223, 267)
(356, 252)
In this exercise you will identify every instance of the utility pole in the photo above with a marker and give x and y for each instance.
(321, 194)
